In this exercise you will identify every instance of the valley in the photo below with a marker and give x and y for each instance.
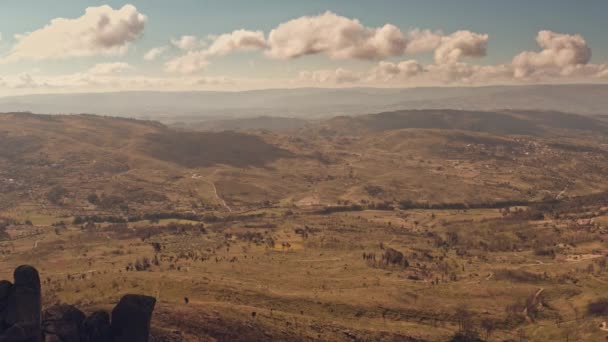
(414, 225)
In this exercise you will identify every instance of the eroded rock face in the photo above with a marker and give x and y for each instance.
(21, 319)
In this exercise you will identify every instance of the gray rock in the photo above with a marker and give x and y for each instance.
(131, 318)
(96, 328)
(63, 323)
(22, 314)
(6, 292)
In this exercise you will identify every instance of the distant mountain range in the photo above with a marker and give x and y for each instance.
(307, 103)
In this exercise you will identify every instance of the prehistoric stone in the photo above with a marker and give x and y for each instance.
(6, 291)
(23, 308)
(96, 328)
(62, 323)
(131, 318)
(21, 321)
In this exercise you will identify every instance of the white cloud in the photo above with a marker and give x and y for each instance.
(336, 36)
(187, 43)
(469, 74)
(198, 60)
(191, 62)
(560, 54)
(387, 71)
(454, 47)
(154, 53)
(109, 68)
(603, 73)
(337, 76)
(101, 30)
(214, 81)
(421, 41)
(239, 40)
(25, 83)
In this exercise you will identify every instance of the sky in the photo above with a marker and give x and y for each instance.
(90, 46)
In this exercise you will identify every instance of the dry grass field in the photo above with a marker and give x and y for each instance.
(404, 226)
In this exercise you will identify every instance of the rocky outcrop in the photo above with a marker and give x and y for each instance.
(22, 319)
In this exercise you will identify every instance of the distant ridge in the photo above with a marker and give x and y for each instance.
(589, 99)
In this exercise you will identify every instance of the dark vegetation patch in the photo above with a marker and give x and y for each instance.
(564, 120)
(571, 204)
(577, 148)
(519, 276)
(483, 140)
(14, 147)
(489, 122)
(202, 149)
(598, 307)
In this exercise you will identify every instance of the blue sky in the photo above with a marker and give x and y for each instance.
(511, 28)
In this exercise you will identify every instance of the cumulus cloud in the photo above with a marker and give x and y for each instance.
(187, 43)
(421, 41)
(191, 62)
(387, 71)
(560, 54)
(101, 30)
(198, 60)
(452, 48)
(336, 36)
(468, 74)
(109, 68)
(603, 71)
(337, 76)
(154, 53)
(239, 40)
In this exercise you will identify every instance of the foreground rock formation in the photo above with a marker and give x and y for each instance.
(22, 319)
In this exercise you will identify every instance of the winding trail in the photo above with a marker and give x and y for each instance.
(217, 196)
(215, 192)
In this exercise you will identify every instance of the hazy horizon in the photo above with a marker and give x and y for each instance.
(311, 103)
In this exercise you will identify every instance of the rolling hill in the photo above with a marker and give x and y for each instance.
(393, 226)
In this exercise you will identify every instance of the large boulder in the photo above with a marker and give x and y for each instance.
(22, 314)
(6, 294)
(131, 318)
(62, 323)
(96, 328)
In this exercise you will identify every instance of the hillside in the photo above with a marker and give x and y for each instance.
(413, 152)
(514, 122)
(398, 226)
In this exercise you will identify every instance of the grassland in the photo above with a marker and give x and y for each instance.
(503, 233)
